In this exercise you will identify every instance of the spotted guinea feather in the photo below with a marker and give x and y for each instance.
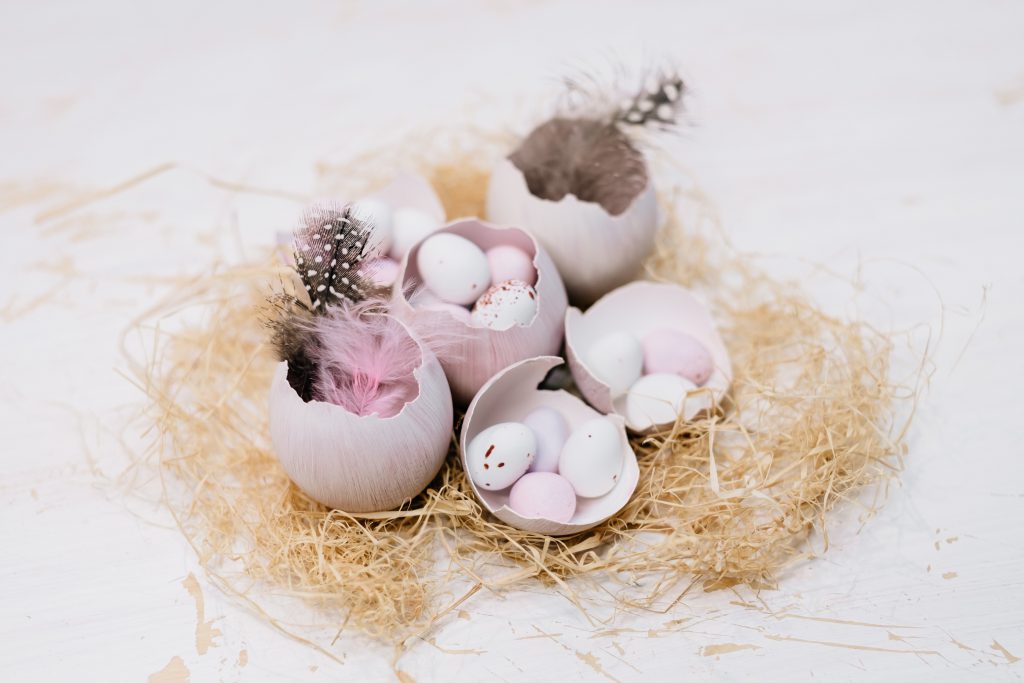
(330, 246)
(658, 103)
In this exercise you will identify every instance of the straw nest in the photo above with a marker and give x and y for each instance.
(812, 417)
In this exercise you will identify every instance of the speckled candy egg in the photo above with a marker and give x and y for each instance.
(592, 458)
(617, 360)
(506, 304)
(551, 430)
(500, 454)
(510, 263)
(543, 494)
(453, 268)
(671, 351)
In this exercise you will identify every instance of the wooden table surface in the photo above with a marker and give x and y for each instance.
(884, 140)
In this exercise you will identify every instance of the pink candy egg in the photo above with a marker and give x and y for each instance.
(543, 494)
(675, 352)
(551, 430)
(383, 271)
(510, 263)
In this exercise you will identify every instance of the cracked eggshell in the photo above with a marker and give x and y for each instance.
(643, 307)
(510, 396)
(363, 463)
(594, 250)
(476, 352)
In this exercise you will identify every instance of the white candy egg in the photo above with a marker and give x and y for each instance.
(409, 226)
(500, 454)
(453, 268)
(551, 430)
(592, 457)
(380, 216)
(617, 360)
(506, 304)
(657, 399)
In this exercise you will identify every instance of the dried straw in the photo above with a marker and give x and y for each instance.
(730, 499)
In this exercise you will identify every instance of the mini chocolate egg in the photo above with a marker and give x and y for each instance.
(409, 226)
(500, 454)
(543, 494)
(551, 430)
(378, 213)
(453, 268)
(672, 351)
(592, 457)
(617, 360)
(506, 304)
(656, 399)
(383, 271)
(510, 263)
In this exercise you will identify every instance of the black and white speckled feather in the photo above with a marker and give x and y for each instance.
(330, 246)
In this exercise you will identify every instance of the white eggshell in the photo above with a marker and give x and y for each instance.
(500, 454)
(379, 215)
(643, 308)
(409, 226)
(506, 304)
(362, 463)
(453, 268)
(592, 458)
(594, 251)
(616, 359)
(510, 263)
(506, 397)
(658, 399)
(551, 430)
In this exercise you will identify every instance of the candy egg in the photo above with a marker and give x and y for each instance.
(543, 494)
(672, 351)
(510, 263)
(383, 271)
(379, 214)
(409, 226)
(657, 399)
(500, 454)
(453, 268)
(617, 360)
(551, 430)
(506, 304)
(592, 457)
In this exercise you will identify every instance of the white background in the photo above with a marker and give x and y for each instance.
(885, 140)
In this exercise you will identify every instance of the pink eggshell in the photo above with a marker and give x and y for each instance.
(675, 352)
(383, 271)
(543, 494)
(510, 263)
(460, 313)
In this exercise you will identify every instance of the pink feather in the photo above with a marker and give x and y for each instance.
(365, 360)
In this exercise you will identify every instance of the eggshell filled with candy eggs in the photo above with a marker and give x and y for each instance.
(510, 396)
(642, 309)
(476, 351)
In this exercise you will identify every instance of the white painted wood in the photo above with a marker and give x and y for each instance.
(885, 140)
